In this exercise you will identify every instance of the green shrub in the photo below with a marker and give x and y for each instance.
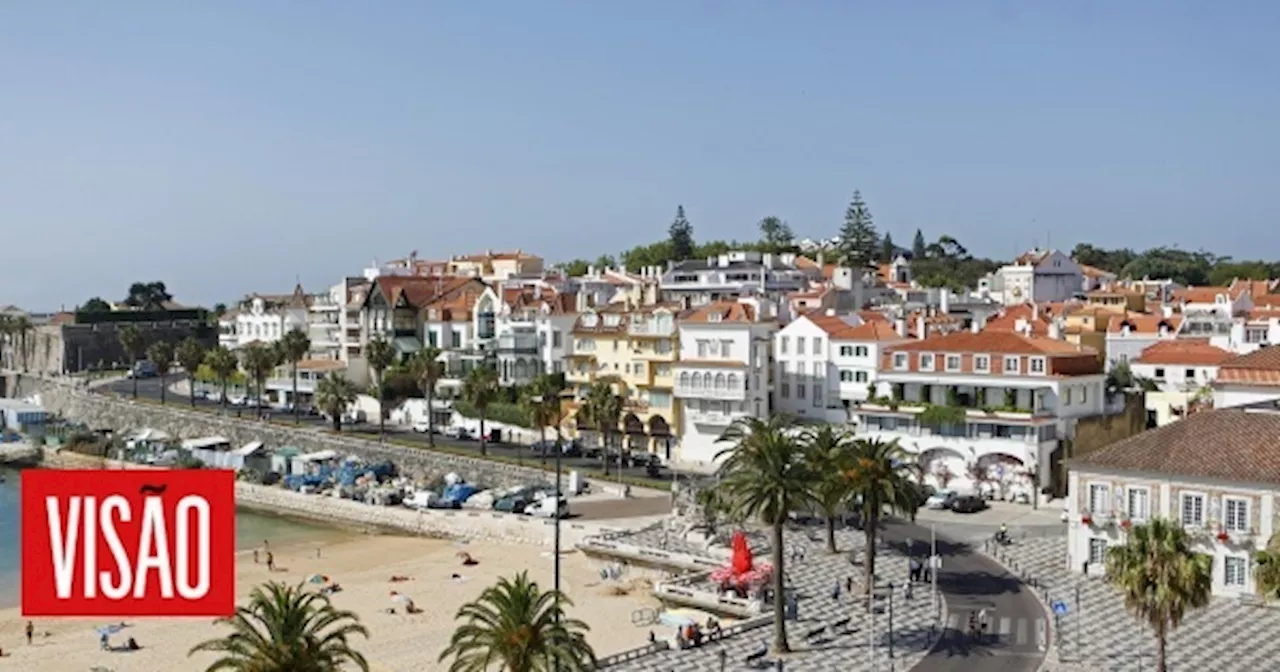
(499, 411)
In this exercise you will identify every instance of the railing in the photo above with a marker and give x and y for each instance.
(690, 392)
(708, 600)
(670, 559)
(648, 329)
(713, 418)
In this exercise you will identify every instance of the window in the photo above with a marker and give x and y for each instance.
(1139, 503)
(1099, 498)
(1097, 551)
(953, 362)
(860, 376)
(799, 345)
(1190, 375)
(817, 345)
(1234, 569)
(1192, 509)
(664, 346)
(1011, 365)
(1084, 394)
(981, 363)
(846, 351)
(786, 390)
(702, 349)
(900, 361)
(455, 339)
(926, 362)
(782, 344)
(660, 399)
(1037, 364)
(817, 395)
(1235, 514)
(1159, 373)
(684, 379)
(555, 339)
(846, 376)
(1066, 396)
(800, 387)
(802, 368)
(860, 351)
(726, 347)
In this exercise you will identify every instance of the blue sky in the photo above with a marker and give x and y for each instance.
(233, 146)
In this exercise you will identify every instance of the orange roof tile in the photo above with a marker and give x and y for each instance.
(1189, 351)
(1094, 272)
(1255, 288)
(1201, 294)
(1142, 323)
(992, 341)
(728, 311)
(1262, 359)
(1007, 319)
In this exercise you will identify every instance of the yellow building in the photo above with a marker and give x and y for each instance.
(634, 347)
(1117, 301)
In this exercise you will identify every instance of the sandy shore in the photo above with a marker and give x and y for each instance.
(363, 565)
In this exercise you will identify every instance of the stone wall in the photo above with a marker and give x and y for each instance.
(100, 411)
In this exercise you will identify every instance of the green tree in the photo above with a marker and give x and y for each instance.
(918, 249)
(427, 370)
(223, 363)
(294, 346)
(887, 249)
(95, 305)
(148, 296)
(681, 236)
(517, 627)
(776, 235)
(606, 261)
(602, 409)
(827, 451)
(763, 474)
(1113, 261)
(879, 477)
(135, 348)
(334, 394)
(1160, 577)
(1183, 267)
(190, 355)
(380, 354)
(1266, 568)
(542, 403)
(161, 354)
(480, 389)
(1121, 378)
(655, 254)
(859, 242)
(575, 268)
(287, 629)
(258, 360)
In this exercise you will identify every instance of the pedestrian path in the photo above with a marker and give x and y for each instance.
(1018, 632)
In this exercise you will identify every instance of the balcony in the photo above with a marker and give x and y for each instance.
(737, 393)
(651, 330)
(518, 344)
(712, 418)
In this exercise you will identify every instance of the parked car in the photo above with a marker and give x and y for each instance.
(968, 504)
(143, 368)
(422, 427)
(456, 432)
(941, 499)
(512, 503)
(548, 507)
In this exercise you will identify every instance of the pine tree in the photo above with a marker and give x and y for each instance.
(681, 235)
(887, 250)
(859, 243)
(776, 235)
(918, 248)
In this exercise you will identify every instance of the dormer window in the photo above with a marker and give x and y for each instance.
(1011, 365)
(900, 361)
(590, 320)
(981, 363)
(611, 320)
(714, 317)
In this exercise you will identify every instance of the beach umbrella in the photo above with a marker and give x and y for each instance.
(317, 579)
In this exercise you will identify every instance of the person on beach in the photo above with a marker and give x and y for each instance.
(271, 562)
(31, 630)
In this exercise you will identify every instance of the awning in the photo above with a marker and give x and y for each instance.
(406, 345)
(249, 448)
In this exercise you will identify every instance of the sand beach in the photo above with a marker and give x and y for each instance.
(363, 565)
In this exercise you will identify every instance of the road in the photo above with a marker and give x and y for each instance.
(150, 389)
(972, 582)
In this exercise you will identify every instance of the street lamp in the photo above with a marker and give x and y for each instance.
(539, 400)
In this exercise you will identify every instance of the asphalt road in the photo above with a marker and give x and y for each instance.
(149, 388)
(971, 582)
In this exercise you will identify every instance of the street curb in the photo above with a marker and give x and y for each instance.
(1050, 647)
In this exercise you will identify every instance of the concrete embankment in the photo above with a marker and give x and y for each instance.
(19, 455)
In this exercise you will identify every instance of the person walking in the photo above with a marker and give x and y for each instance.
(31, 631)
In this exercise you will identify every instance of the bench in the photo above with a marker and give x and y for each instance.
(756, 655)
(815, 632)
(842, 624)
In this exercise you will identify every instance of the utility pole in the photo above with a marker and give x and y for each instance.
(1079, 624)
(871, 627)
(890, 597)
(933, 568)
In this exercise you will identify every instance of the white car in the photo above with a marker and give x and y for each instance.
(236, 400)
(940, 500)
(548, 507)
(422, 427)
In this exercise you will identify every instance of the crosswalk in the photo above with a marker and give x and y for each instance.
(1007, 630)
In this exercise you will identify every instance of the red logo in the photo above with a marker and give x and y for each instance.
(128, 543)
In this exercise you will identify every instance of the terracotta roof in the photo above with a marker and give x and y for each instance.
(834, 325)
(805, 263)
(1008, 318)
(1233, 444)
(455, 300)
(872, 330)
(1255, 288)
(1267, 358)
(1191, 351)
(1265, 313)
(1272, 300)
(1201, 294)
(319, 365)
(490, 256)
(63, 318)
(1142, 323)
(1094, 272)
(992, 341)
(618, 309)
(1032, 258)
(728, 311)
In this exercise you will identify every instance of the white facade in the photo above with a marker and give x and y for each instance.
(806, 380)
(531, 336)
(730, 276)
(722, 375)
(266, 319)
(1039, 276)
(1227, 521)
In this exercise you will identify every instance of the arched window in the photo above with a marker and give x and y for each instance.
(733, 381)
(719, 381)
(684, 379)
(697, 381)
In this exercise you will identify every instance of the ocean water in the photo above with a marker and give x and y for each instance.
(251, 530)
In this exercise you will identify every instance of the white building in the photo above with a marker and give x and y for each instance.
(266, 318)
(1038, 276)
(696, 282)
(1227, 502)
(533, 331)
(1129, 335)
(722, 373)
(826, 361)
(1248, 379)
(990, 405)
(1184, 370)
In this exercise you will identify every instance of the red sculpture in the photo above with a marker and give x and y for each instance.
(741, 554)
(743, 574)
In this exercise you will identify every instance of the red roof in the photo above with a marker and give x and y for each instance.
(1190, 351)
(992, 341)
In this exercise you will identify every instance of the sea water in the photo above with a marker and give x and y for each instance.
(251, 530)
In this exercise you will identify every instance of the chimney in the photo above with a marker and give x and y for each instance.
(822, 261)
(591, 271)
(1035, 310)
(975, 325)
(922, 328)
(945, 301)
(1055, 329)
(900, 326)
(831, 312)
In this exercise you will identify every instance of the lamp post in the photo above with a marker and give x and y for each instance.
(539, 400)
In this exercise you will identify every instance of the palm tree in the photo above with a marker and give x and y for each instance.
(879, 476)
(828, 450)
(480, 389)
(334, 393)
(602, 409)
(1266, 569)
(764, 474)
(285, 629)
(161, 354)
(427, 369)
(381, 354)
(134, 347)
(542, 403)
(224, 365)
(22, 327)
(258, 360)
(6, 332)
(190, 356)
(1160, 578)
(294, 346)
(516, 627)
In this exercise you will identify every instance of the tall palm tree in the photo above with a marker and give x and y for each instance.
(190, 355)
(1160, 578)
(380, 354)
(828, 451)
(258, 360)
(334, 393)
(224, 365)
(602, 409)
(134, 348)
(427, 370)
(295, 345)
(161, 354)
(287, 629)
(542, 402)
(764, 474)
(6, 333)
(516, 627)
(480, 389)
(22, 327)
(879, 477)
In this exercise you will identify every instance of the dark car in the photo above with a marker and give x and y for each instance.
(968, 504)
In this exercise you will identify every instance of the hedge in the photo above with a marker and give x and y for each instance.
(498, 411)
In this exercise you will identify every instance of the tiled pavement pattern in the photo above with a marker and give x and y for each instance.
(1226, 636)
(846, 649)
